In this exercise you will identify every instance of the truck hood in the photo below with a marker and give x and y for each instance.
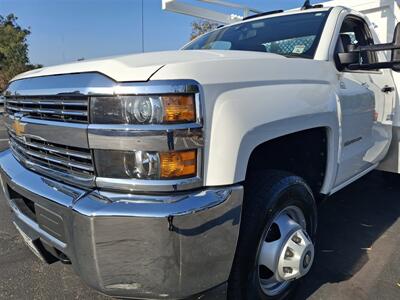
(141, 67)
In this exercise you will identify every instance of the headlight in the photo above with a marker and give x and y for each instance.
(146, 165)
(143, 109)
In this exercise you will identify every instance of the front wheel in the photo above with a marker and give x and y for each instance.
(275, 247)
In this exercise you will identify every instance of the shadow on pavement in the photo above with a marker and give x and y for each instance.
(349, 224)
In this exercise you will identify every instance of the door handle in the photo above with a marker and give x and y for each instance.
(388, 89)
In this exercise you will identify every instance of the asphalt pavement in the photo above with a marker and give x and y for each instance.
(358, 250)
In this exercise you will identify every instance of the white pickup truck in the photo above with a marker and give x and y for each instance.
(197, 172)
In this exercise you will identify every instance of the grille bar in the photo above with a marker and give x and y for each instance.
(54, 171)
(47, 111)
(54, 156)
(54, 102)
(66, 109)
(59, 150)
(53, 159)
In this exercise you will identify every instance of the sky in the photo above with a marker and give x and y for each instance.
(67, 30)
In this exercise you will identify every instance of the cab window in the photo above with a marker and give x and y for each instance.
(354, 33)
(295, 35)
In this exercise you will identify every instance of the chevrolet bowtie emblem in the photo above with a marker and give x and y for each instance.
(19, 127)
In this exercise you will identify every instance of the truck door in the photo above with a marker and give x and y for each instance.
(366, 104)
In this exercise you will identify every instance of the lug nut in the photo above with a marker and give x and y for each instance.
(307, 260)
(289, 253)
(296, 239)
(287, 270)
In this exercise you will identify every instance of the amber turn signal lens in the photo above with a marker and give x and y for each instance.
(178, 164)
(179, 108)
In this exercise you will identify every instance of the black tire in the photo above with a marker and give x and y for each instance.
(266, 194)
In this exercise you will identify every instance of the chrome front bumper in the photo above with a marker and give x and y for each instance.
(156, 247)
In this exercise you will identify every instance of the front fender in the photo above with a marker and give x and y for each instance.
(247, 117)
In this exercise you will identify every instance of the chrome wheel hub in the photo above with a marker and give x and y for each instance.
(286, 252)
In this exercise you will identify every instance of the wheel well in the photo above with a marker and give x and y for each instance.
(302, 153)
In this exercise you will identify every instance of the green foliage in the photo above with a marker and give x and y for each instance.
(200, 27)
(13, 50)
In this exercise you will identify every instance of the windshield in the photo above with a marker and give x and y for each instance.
(293, 35)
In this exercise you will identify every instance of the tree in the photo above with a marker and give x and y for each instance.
(13, 50)
(200, 27)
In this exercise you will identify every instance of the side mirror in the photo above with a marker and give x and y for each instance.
(344, 60)
(351, 59)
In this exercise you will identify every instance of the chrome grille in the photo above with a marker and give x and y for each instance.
(75, 161)
(58, 108)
